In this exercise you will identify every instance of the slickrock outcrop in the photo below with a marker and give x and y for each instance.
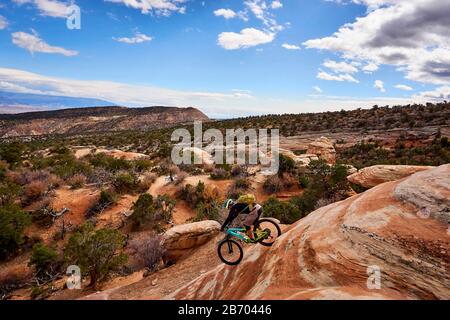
(302, 159)
(182, 238)
(337, 251)
(372, 176)
(323, 148)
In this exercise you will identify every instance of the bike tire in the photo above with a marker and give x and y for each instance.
(277, 227)
(230, 242)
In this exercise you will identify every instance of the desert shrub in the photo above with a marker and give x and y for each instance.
(220, 174)
(13, 221)
(44, 260)
(41, 216)
(143, 210)
(208, 205)
(109, 163)
(164, 206)
(147, 180)
(9, 191)
(207, 210)
(239, 187)
(286, 164)
(286, 212)
(237, 170)
(100, 176)
(180, 178)
(147, 253)
(34, 191)
(273, 184)
(96, 252)
(141, 165)
(77, 181)
(106, 199)
(12, 152)
(40, 292)
(3, 168)
(126, 182)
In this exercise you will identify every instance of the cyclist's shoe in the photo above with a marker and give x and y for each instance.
(247, 239)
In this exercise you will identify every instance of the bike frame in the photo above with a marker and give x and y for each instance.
(236, 232)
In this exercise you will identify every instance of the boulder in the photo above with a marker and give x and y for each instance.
(180, 239)
(372, 176)
(373, 245)
(324, 149)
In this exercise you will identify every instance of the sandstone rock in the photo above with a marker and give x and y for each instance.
(180, 239)
(206, 157)
(350, 169)
(302, 159)
(324, 149)
(337, 251)
(371, 176)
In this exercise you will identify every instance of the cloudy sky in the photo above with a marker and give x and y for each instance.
(230, 58)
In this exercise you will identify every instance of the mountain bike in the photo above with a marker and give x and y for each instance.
(230, 251)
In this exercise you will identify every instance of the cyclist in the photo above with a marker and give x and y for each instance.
(245, 205)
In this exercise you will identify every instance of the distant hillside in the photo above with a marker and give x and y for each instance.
(95, 119)
(17, 101)
(376, 118)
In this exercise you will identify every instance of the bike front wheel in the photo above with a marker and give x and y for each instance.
(230, 252)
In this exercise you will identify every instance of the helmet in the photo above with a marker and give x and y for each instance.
(228, 203)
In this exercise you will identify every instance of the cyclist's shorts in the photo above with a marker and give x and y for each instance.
(252, 216)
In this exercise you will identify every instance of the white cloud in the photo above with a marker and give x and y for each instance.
(339, 77)
(403, 87)
(340, 67)
(317, 89)
(226, 13)
(290, 46)
(438, 94)
(276, 5)
(138, 38)
(3, 22)
(33, 43)
(260, 9)
(159, 7)
(370, 67)
(409, 34)
(51, 8)
(379, 85)
(247, 38)
(215, 104)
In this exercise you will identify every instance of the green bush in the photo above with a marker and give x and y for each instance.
(13, 221)
(286, 212)
(96, 252)
(143, 210)
(109, 163)
(286, 164)
(107, 198)
(220, 174)
(126, 182)
(44, 260)
(12, 152)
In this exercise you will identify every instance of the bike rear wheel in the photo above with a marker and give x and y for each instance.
(230, 252)
(272, 229)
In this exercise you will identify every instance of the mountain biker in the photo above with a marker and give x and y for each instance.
(245, 205)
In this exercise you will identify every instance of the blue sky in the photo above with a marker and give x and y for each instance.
(230, 58)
